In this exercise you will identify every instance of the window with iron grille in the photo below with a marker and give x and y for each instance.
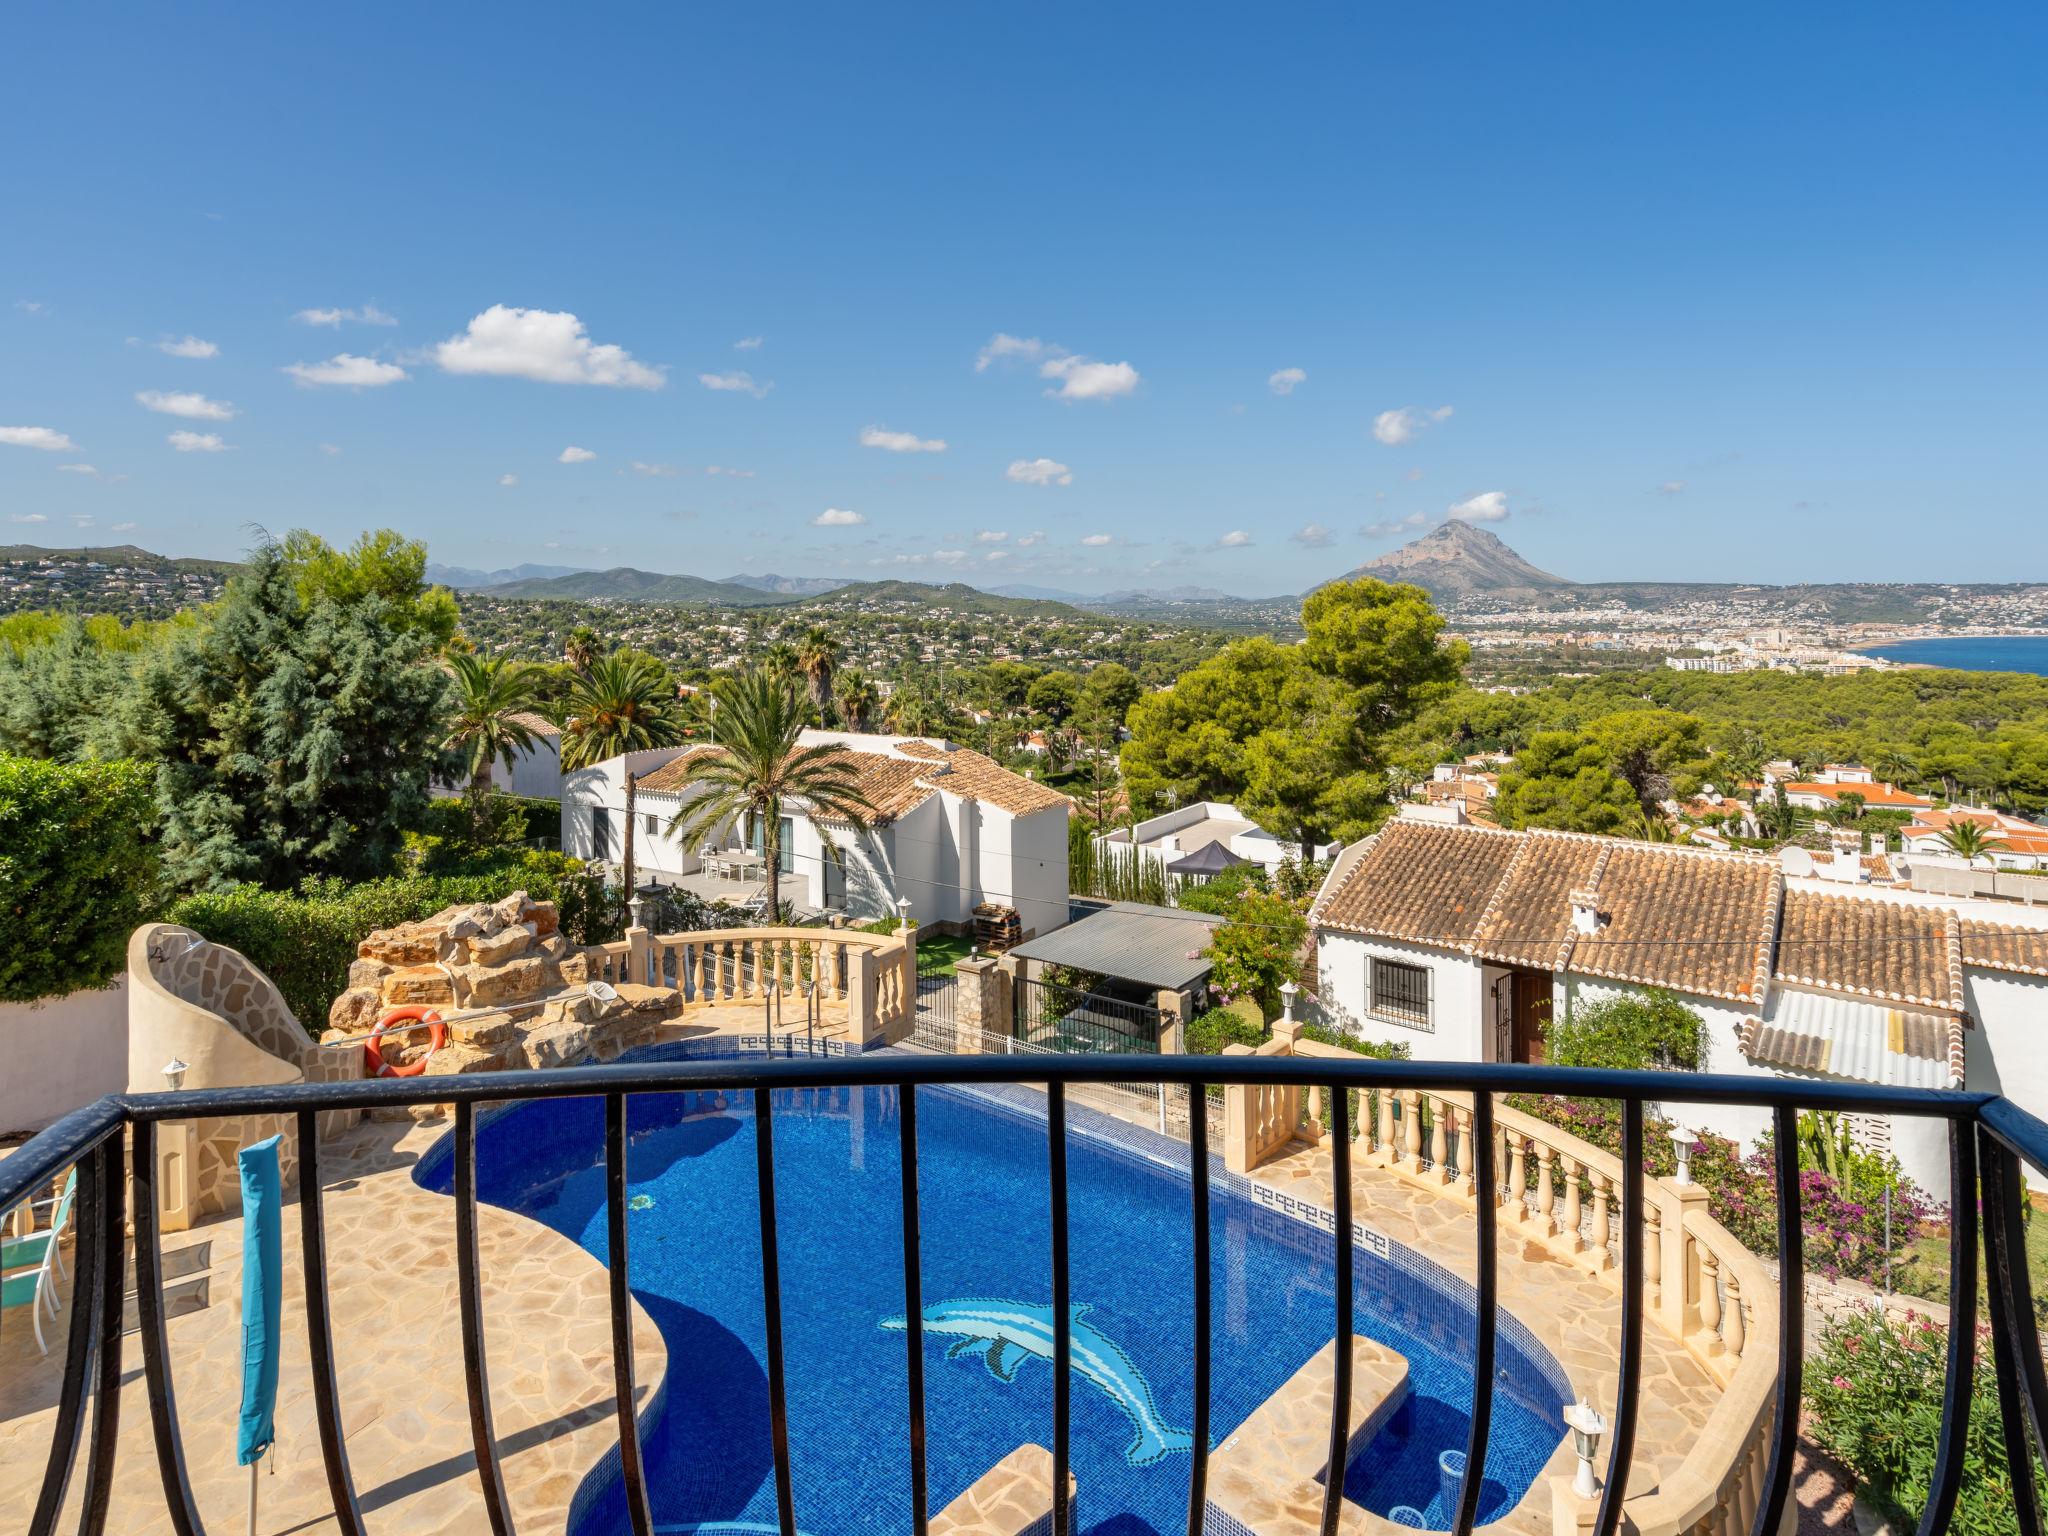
(1401, 992)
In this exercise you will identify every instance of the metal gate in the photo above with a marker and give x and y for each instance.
(1055, 1017)
(937, 988)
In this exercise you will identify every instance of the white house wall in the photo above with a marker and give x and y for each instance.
(1457, 996)
(2005, 1047)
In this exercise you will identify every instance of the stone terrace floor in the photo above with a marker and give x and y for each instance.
(546, 1309)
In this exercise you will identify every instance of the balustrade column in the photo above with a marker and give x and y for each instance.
(1546, 1194)
(1574, 1171)
(1731, 1319)
(1518, 1178)
(1386, 1146)
(1602, 1186)
(1465, 1150)
(1710, 1298)
(1411, 1128)
(1498, 1194)
(1439, 1139)
(1653, 1252)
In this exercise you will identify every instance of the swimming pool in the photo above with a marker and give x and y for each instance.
(985, 1214)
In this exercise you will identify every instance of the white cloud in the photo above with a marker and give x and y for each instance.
(1401, 426)
(332, 450)
(1671, 487)
(197, 442)
(991, 536)
(30, 306)
(837, 517)
(574, 455)
(80, 469)
(996, 554)
(1080, 378)
(82, 520)
(1083, 378)
(1099, 540)
(1393, 525)
(368, 314)
(1486, 507)
(550, 346)
(948, 556)
(725, 469)
(125, 527)
(1283, 382)
(348, 371)
(1002, 345)
(49, 439)
(1311, 536)
(900, 442)
(1039, 472)
(654, 471)
(747, 344)
(188, 346)
(508, 479)
(737, 382)
(1237, 538)
(192, 407)
(27, 517)
(1027, 540)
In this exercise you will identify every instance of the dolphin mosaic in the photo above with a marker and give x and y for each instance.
(1006, 1333)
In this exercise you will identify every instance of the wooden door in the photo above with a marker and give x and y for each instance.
(1531, 1014)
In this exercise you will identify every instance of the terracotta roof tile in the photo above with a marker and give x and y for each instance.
(2000, 947)
(1531, 916)
(540, 725)
(1423, 882)
(1689, 919)
(1887, 949)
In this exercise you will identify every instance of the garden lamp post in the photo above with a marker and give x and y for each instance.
(1287, 991)
(902, 913)
(1681, 1148)
(1587, 1427)
(174, 1074)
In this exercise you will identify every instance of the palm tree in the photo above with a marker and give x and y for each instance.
(858, 700)
(779, 661)
(817, 657)
(491, 695)
(1894, 766)
(1646, 828)
(759, 763)
(580, 649)
(622, 703)
(1971, 841)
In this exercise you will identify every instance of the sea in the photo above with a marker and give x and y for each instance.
(1971, 653)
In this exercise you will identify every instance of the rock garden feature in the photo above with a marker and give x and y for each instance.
(514, 992)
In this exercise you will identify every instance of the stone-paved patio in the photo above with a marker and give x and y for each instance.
(546, 1309)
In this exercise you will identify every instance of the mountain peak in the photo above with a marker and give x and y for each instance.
(1457, 558)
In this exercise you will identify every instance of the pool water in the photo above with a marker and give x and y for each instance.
(985, 1212)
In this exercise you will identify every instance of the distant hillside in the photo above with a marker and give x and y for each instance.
(793, 586)
(125, 555)
(1153, 596)
(467, 579)
(954, 597)
(639, 586)
(1457, 560)
(1039, 594)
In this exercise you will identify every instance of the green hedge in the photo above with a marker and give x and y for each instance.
(77, 871)
(305, 939)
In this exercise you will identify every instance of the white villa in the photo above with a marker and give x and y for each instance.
(536, 773)
(2022, 844)
(1188, 829)
(1459, 940)
(952, 829)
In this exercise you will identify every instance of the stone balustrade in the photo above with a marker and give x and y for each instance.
(1702, 1287)
(867, 981)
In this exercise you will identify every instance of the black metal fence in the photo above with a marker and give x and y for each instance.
(1052, 1016)
(1988, 1137)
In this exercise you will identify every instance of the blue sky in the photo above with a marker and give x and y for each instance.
(1748, 292)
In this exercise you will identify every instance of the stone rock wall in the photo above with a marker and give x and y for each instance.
(514, 988)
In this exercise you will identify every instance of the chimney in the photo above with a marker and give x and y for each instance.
(1586, 914)
(1847, 864)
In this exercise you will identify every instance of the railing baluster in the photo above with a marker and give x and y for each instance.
(1340, 1401)
(771, 1302)
(913, 1307)
(1947, 1479)
(631, 1466)
(1198, 1194)
(1062, 1310)
(156, 1365)
(469, 1294)
(2021, 1389)
(106, 1402)
(65, 1433)
(1482, 1352)
(1770, 1511)
(341, 1488)
(1629, 1377)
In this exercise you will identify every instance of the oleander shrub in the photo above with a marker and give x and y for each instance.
(78, 871)
(1874, 1395)
(304, 939)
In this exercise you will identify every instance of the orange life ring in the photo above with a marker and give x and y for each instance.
(437, 1036)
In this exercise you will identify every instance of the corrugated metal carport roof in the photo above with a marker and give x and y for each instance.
(1153, 946)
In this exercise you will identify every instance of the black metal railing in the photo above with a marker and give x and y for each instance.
(1988, 1138)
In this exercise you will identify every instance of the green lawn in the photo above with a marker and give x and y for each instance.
(937, 954)
(1925, 1271)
